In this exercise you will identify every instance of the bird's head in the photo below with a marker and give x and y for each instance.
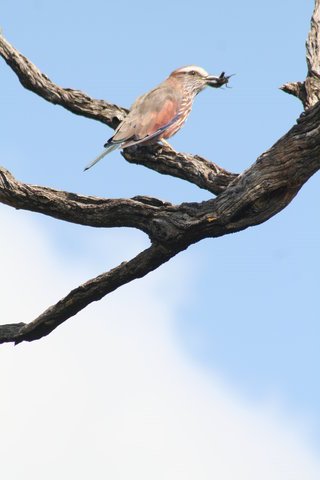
(196, 78)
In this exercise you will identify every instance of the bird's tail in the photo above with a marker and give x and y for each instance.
(109, 148)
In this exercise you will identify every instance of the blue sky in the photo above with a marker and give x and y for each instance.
(246, 306)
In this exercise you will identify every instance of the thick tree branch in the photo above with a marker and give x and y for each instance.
(79, 209)
(162, 221)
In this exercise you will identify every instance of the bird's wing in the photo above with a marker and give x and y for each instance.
(149, 116)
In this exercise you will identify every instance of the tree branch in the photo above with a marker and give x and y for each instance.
(297, 89)
(74, 100)
(91, 291)
(162, 221)
(79, 209)
(193, 168)
(309, 90)
(313, 42)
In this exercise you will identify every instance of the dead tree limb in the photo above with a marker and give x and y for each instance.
(309, 90)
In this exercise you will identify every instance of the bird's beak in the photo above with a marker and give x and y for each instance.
(217, 82)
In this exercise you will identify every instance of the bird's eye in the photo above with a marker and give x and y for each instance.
(193, 72)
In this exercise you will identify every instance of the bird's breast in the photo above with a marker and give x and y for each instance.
(184, 111)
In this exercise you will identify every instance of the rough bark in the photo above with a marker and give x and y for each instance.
(242, 200)
(309, 90)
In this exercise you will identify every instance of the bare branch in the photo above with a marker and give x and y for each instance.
(313, 42)
(162, 221)
(309, 90)
(192, 168)
(297, 89)
(73, 100)
(87, 293)
(79, 209)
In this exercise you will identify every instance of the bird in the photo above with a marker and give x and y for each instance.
(161, 112)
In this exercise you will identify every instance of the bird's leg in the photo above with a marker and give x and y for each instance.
(166, 144)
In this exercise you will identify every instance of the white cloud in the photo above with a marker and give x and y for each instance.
(110, 395)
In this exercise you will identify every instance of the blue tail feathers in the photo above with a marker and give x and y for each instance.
(109, 147)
